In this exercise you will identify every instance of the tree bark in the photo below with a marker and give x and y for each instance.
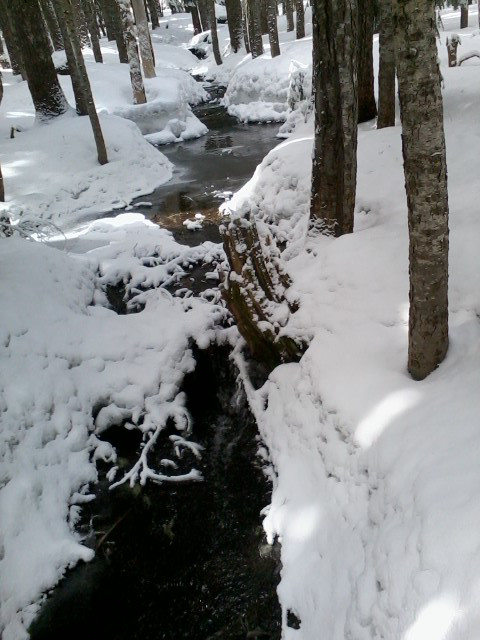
(245, 25)
(2, 185)
(197, 25)
(52, 24)
(213, 32)
(367, 109)
(152, 7)
(47, 95)
(146, 50)
(235, 25)
(81, 24)
(263, 17)
(70, 15)
(89, 11)
(300, 19)
(11, 42)
(111, 8)
(334, 167)
(463, 16)
(273, 28)
(254, 31)
(138, 89)
(386, 71)
(425, 169)
(203, 10)
(289, 14)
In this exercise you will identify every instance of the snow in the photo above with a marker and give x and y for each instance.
(68, 353)
(377, 479)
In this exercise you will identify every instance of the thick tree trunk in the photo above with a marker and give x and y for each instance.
(425, 168)
(47, 95)
(52, 24)
(367, 109)
(111, 8)
(463, 16)
(146, 50)
(11, 42)
(386, 71)
(89, 11)
(138, 89)
(334, 166)
(197, 25)
(203, 10)
(81, 25)
(68, 10)
(263, 17)
(289, 14)
(300, 19)
(254, 31)
(273, 28)
(213, 32)
(235, 25)
(152, 7)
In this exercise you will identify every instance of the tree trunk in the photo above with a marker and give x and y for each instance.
(116, 22)
(52, 24)
(11, 42)
(235, 25)
(273, 28)
(203, 10)
(136, 79)
(2, 185)
(152, 7)
(289, 14)
(463, 16)
(367, 109)
(300, 19)
(263, 17)
(81, 24)
(89, 11)
(386, 71)
(213, 31)
(197, 25)
(47, 95)
(245, 25)
(68, 10)
(254, 31)
(146, 50)
(334, 167)
(425, 169)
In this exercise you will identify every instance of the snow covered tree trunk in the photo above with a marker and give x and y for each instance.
(52, 24)
(69, 9)
(152, 7)
(47, 95)
(367, 109)
(112, 9)
(89, 11)
(386, 70)
(300, 19)
(213, 32)
(81, 24)
(452, 44)
(334, 84)
(235, 24)
(254, 31)
(464, 15)
(425, 169)
(289, 14)
(139, 96)
(273, 28)
(245, 25)
(146, 50)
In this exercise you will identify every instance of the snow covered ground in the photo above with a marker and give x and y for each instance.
(377, 476)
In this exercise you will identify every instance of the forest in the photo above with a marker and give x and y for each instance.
(239, 319)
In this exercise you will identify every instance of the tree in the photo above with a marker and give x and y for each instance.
(203, 10)
(91, 18)
(289, 13)
(334, 165)
(386, 70)
(138, 89)
(254, 30)
(52, 24)
(367, 109)
(273, 28)
(300, 19)
(463, 14)
(235, 24)
(115, 24)
(11, 42)
(144, 40)
(425, 169)
(152, 7)
(213, 31)
(28, 26)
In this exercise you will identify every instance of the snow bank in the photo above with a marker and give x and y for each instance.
(377, 476)
(63, 356)
(51, 171)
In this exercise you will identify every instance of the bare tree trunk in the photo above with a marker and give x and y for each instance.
(136, 79)
(152, 7)
(111, 8)
(146, 50)
(263, 17)
(289, 14)
(68, 9)
(52, 24)
(367, 109)
(81, 24)
(2, 185)
(11, 42)
(197, 25)
(213, 31)
(254, 31)
(464, 15)
(300, 19)
(245, 21)
(203, 10)
(334, 168)
(425, 168)
(386, 71)
(89, 11)
(47, 95)
(273, 28)
(235, 25)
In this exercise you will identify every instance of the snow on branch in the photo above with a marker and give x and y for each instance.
(467, 56)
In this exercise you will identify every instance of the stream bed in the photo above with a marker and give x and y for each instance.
(184, 561)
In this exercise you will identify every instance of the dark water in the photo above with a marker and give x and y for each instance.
(183, 561)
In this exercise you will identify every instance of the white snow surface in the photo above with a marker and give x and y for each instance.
(63, 352)
(377, 478)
